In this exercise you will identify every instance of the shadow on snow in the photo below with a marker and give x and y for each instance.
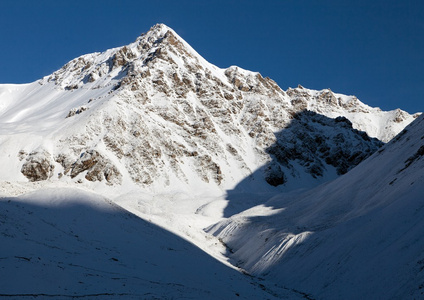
(311, 150)
(68, 243)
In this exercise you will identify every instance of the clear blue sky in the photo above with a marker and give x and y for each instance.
(372, 49)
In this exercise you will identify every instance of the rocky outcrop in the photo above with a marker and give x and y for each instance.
(38, 165)
(76, 111)
(97, 168)
(316, 142)
(274, 174)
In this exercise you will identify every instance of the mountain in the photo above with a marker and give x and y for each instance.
(156, 114)
(357, 237)
(153, 131)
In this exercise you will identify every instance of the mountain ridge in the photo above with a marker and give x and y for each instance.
(132, 113)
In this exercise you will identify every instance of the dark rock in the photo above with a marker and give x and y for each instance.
(38, 166)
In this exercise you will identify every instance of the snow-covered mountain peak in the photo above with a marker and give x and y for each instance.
(157, 30)
(157, 114)
(159, 45)
(163, 63)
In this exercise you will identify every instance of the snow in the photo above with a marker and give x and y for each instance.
(144, 237)
(358, 236)
(72, 243)
(375, 122)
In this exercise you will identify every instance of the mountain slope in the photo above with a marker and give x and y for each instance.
(67, 243)
(156, 114)
(359, 236)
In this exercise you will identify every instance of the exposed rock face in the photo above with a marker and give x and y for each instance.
(98, 168)
(76, 111)
(274, 174)
(167, 116)
(38, 166)
(383, 125)
(322, 241)
(314, 142)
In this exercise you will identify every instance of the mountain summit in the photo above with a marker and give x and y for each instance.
(155, 113)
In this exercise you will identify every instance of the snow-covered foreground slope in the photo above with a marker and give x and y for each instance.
(66, 243)
(357, 237)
